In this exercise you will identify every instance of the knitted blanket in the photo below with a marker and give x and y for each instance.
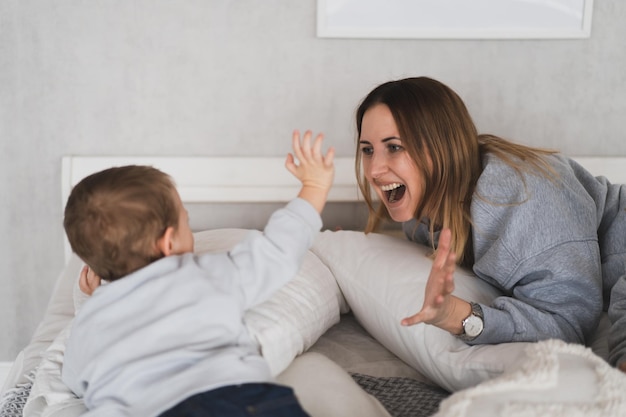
(13, 401)
(555, 379)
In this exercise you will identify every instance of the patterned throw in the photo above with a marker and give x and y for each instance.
(403, 397)
(13, 401)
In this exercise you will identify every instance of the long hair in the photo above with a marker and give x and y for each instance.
(439, 135)
(113, 218)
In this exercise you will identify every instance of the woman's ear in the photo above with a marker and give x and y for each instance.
(165, 244)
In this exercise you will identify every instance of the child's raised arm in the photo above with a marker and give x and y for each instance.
(315, 170)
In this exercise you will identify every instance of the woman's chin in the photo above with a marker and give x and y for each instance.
(399, 216)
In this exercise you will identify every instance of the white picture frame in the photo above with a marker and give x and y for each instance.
(454, 19)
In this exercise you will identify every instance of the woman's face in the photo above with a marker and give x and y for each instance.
(387, 165)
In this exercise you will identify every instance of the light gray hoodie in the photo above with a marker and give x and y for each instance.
(146, 342)
(553, 248)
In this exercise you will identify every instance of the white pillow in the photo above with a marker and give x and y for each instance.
(49, 396)
(383, 279)
(58, 314)
(324, 389)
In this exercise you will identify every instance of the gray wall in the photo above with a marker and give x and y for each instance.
(198, 77)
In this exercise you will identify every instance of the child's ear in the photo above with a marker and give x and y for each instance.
(165, 243)
(88, 280)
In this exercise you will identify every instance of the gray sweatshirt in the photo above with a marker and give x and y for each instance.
(146, 342)
(555, 249)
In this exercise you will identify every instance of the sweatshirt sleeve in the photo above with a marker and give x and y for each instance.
(265, 261)
(536, 240)
(617, 316)
(555, 294)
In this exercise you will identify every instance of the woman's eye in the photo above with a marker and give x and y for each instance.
(367, 151)
(394, 148)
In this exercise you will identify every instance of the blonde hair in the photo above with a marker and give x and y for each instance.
(114, 218)
(438, 133)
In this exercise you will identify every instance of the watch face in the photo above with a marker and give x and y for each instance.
(473, 326)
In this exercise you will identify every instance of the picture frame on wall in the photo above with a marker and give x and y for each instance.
(454, 19)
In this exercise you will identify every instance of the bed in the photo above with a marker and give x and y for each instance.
(333, 332)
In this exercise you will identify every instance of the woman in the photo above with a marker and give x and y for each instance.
(530, 221)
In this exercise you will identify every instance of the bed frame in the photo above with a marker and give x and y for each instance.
(255, 180)
(216, 179)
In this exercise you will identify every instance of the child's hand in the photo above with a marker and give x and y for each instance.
(315, 170)
(88, 281)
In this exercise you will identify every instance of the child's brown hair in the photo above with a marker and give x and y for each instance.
(114, 218)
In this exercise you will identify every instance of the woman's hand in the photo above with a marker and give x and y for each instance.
(440, 307)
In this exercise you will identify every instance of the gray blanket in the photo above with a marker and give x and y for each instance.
(402, 397)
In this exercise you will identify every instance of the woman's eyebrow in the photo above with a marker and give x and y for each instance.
(391, 138)
(385, 140)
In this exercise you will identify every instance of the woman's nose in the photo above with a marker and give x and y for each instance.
(378, 166)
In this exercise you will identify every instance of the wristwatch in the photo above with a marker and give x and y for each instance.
(473, 324)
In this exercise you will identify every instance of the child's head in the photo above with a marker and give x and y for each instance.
(121, 219)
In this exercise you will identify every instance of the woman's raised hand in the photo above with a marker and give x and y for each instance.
(440, 307)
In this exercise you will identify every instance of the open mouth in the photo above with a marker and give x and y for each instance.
(393, 192)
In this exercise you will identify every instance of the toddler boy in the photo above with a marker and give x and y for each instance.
(165, 337)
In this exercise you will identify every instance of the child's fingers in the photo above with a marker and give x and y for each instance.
(330, 157)
(295, 144)
(306, 145)
(290, 164)
(306, 148)
(317, 146)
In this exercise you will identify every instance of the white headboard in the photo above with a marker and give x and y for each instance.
(206, 179)
(251, 180)
(215, 179)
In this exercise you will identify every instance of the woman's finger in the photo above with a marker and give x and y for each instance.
(412, 320)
